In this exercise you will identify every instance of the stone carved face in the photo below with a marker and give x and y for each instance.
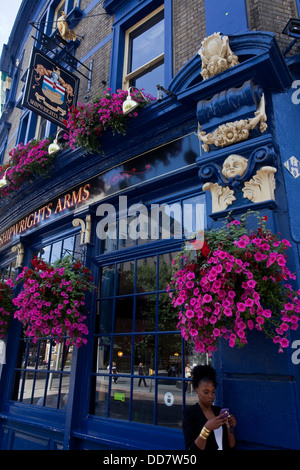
(234, 165)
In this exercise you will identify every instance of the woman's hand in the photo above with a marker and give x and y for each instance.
(231, 423)
(216, 422)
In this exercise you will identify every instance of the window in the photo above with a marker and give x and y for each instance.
(42, 375)
(8, 271)
(41, 128)
(139, 355)
(27, 127)
(144, 53)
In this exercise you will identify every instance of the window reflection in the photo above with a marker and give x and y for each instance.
(167, 314)
(119, 399)
(45, 378)
(104, 316)
(165, 269)
(107, 281)
(147, 44)
(143, 398)
(123, 315)
(145, 315)
(169, 355)
(125, 273)
(169, 404)
(146, 274)
(56, 251)
(144, 351)
(121, 356)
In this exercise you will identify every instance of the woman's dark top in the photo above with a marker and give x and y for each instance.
(193, 421)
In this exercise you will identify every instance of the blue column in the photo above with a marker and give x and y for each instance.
(227, 17)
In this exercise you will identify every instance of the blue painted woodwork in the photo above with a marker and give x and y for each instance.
(227, 17)
(260, 386)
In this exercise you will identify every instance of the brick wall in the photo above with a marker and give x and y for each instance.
(94, 29)
(189, 30)
(272, 15)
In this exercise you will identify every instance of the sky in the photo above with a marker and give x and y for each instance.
(9, 10)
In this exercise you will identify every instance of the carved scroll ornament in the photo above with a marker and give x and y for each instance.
(86, 228)
(233, 132)
(262, 186)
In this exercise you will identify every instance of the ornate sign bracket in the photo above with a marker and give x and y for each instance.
(51, 43)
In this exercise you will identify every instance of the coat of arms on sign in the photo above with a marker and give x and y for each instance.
(51, 90)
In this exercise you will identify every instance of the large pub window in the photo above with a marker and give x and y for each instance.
(42, 373)
(139, 355)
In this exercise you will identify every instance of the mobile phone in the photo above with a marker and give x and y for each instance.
(224, 411)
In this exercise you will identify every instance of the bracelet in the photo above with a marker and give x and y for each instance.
(204, 433)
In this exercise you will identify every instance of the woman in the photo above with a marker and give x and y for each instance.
(204, 427)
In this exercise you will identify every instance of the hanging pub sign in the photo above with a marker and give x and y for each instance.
(50, 89)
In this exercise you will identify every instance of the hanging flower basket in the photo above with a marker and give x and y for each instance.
(87, 122)
(230, 282)
(52, 300)
(6, 306)
(26, 162)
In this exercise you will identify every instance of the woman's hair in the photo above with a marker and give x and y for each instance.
(200, 373)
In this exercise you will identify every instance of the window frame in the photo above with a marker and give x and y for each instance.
(147, 66)
(124, 22)
(157, 331)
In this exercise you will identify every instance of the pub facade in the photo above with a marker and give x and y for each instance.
(211, 82)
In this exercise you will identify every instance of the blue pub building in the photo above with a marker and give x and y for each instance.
(228, 81)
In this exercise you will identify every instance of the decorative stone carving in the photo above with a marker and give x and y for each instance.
(221, 197)
(86, 228)
(262, 186)
(233, 132)
(19, 249)
(234, 165)
(216, 55)
(233, 174)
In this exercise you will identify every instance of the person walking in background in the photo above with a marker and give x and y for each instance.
(141, 372)
(114, 371)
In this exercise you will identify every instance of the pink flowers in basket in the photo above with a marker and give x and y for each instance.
(237, 282)
(26, 161)
(87, 122)
(52, 300)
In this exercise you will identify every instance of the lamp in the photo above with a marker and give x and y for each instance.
(160, 91)
(129, 104)
(4, 181)
(55, 147)
(292, 28)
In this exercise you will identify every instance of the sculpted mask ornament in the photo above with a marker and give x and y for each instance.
(216, 55)
(234, 165)
(260, 188)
